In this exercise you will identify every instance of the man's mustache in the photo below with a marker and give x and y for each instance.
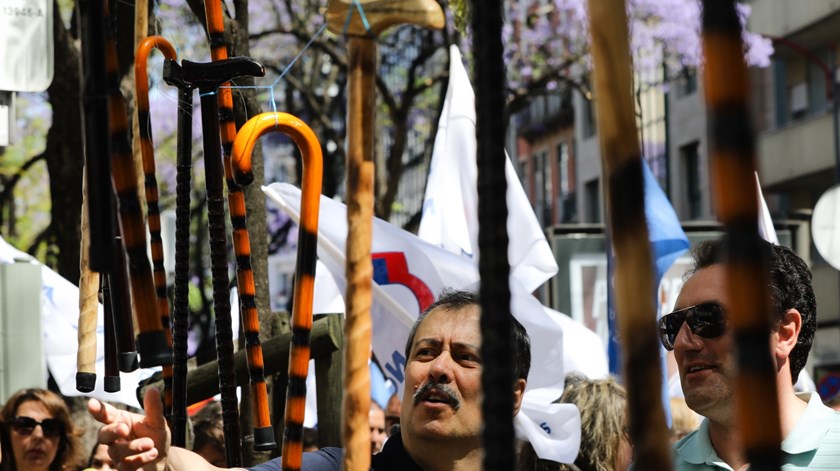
(441, 390)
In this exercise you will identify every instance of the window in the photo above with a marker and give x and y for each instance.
(686, 83)
(592, 204)
(692, 197)
(589, 124)
(542, 185)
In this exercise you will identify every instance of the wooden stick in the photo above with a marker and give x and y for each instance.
(361, 118)
(733, 165)
(310, 149)
(88, 307)
(624, 184)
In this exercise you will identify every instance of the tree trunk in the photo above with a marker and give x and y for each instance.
(65, 152)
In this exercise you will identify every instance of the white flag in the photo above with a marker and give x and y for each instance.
(450, 216)
(408, 274)
(60, 318)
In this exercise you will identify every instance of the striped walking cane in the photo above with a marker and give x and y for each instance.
(733, 166)
(634, 290)
(147, 150)
(299, 354)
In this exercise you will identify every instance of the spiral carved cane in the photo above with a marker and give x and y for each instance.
(207, 78)
(172, 75)
(147, 150)
(308, 144)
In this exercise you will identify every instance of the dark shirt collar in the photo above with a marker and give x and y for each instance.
(394, 457)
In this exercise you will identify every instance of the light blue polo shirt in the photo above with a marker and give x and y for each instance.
(813, 444)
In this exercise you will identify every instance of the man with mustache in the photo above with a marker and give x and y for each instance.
(441, 410)
(703, 345)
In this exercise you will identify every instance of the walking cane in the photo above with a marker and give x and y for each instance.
(151, 341)
(362, 21)
(172, 75)
(112, 372)
(88, 307)
(207, 77)
(236, 197)
(733, 165)
(493, 265)
(147, 151)
(96, 214)
(310, 149)
(634, 290)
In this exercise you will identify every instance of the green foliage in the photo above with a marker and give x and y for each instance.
(461, 14)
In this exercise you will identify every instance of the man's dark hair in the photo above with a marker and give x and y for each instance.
(790, 288)
(454, 300)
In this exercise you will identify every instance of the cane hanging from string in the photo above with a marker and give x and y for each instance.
(207, 78)
(634, 290)
(304, 289)
(727, 90)
(362, 21)
(147, 151)
(172, 75)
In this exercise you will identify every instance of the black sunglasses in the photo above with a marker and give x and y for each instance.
(26, 425)
(707, 320)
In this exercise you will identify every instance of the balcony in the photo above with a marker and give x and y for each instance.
(798, 150)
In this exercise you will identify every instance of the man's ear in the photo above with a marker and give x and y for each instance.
(518, 393)
(787, 333)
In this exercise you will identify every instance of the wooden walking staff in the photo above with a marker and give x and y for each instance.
(363, 21)
(88, 308)
(147, 151)
(299, 354)
(172, 75)
(634, 290)
(207, 77)
(733, 165)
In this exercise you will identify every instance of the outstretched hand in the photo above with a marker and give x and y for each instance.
(134, 441)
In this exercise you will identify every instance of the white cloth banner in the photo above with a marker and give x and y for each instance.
(408, 274)
(26, 45)
(450, 209)
(60, 318)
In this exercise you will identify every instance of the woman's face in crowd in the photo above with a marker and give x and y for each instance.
(33, 450)
(101, 460)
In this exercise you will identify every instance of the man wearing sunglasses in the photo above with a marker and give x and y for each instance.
(702, 341)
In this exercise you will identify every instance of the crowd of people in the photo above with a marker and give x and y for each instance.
(437, 424)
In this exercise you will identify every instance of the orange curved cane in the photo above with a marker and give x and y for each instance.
(147, 150)
(304, 274)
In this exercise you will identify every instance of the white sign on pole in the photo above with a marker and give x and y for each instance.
(7, 117)
(26, 45)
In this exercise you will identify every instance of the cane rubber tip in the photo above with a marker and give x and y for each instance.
(127, 361)
(112, 384)
(85, 382)
(264, 438)
(153, 349)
